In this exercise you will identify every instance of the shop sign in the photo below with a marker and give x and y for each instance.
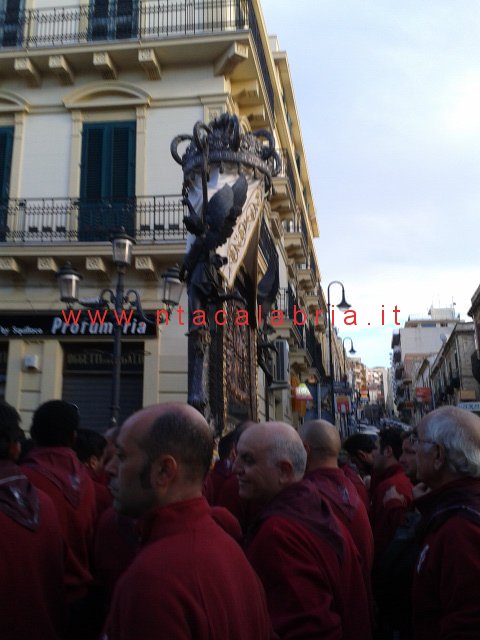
(469, 406)
(63, 325)
(86, 357)
(423, 394)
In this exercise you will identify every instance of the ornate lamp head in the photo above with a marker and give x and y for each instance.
(221, 142)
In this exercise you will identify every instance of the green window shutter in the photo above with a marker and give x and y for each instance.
(6, 146)
(108, 160)
(93, 168)
(113, 19)
(107, 183)
(12, 25)
(100, 8)
(123, 160)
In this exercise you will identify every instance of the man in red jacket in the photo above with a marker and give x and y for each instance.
(54, 468)
(322, 444)
(190, 579)
(390, 489)
(446, 581)
(31, 548)
(304, 555)
(358, 468)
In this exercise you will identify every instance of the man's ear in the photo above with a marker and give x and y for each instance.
(361, 455)
(286, 471)
(388, 451)
(92, 463)
(440, 456)
(163, 471)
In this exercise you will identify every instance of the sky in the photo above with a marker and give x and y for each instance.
(388, 98)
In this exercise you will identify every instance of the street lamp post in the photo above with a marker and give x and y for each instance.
(222, 168)
(68, 280)
(352, 352)
(343, 306)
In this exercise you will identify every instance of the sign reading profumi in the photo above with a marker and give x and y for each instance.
(60, 326)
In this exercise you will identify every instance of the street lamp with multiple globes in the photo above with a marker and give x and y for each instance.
(68, 281)
(343, 306)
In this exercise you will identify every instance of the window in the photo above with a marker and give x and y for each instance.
(6, 144)
(113, 19)
(11, 23)
(107, 182)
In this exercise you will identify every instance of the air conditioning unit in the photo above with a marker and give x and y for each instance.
(282, 363)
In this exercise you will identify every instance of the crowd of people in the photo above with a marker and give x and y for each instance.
(290, 535)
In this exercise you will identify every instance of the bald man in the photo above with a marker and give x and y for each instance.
(446, 582)
(190, 579)
(303, 554)
(322, 444)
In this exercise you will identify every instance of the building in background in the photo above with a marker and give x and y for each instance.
(92, 95)
(474, 313)
(451, 375)
(420, 338)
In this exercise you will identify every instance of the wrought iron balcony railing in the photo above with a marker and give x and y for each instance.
(146, 218)
(314, 348)
(286, 170)
(134, 20)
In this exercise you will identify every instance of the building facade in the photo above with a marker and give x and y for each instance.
(92, 95)
(474, 313)
(420, 338)
(451, 375)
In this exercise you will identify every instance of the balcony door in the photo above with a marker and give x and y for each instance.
(113, 19)
(107, 185)
(11, 22)
(6, 145)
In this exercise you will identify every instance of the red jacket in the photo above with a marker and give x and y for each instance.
(215, 479)
(347, 505)
(190, 580)
(103, 497)
(392, 496)
(358, 483)
(116, 543)
(446, 579)
(31, 560)
(58, 472)
(310, 569)
(243, 510)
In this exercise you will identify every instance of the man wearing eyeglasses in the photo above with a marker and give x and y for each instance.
(446, 581)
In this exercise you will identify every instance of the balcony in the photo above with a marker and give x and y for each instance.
(284, 193)
(295, 240)
(73, 25)
(132, 25)
(291, 328)
(314, 348)
(149, 219)
(305, 277)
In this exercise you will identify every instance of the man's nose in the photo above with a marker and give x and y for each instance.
(111, 467)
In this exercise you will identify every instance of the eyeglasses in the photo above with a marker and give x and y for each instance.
(414, 440)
